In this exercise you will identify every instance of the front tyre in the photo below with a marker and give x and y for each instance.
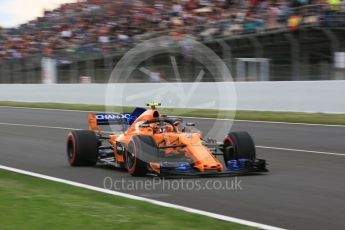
(140, 151)
(239, 145)
(82, 148)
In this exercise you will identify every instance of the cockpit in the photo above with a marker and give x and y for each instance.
(167, 125)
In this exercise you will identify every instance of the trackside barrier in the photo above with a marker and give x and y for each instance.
(293, 96)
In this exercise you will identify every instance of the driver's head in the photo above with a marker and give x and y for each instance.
(159, 129)
(155, 127)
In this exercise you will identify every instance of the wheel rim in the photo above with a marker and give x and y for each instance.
(130, 156)
(232, 152)
(70, 150)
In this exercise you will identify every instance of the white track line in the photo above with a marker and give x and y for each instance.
(200, 118)
(39, 126)
(300, 150)
(258, 146)
(133, 197)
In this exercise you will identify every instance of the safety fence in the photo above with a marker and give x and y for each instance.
(296, 96)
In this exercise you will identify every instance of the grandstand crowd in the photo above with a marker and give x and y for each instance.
(101, 26)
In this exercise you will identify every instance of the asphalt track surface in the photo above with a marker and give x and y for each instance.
(303, 190)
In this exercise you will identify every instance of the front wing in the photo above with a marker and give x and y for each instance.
(257, 166)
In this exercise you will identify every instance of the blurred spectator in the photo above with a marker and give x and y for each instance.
(104, 26)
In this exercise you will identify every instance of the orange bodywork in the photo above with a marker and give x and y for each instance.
(202, 157)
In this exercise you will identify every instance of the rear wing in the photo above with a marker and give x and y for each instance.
(125, 119)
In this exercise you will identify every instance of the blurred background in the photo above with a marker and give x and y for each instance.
(259, 40)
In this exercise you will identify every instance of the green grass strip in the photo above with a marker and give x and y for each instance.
(311, 118)
(32, 203)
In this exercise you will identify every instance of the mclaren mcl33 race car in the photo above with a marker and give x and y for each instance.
(154, 144)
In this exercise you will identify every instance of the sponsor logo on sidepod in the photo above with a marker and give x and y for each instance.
(112, 116)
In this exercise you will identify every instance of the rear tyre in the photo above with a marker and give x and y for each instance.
(82, 148)
(239, 145)
(140, 151)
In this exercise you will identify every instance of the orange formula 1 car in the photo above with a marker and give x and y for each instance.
(153, 144)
